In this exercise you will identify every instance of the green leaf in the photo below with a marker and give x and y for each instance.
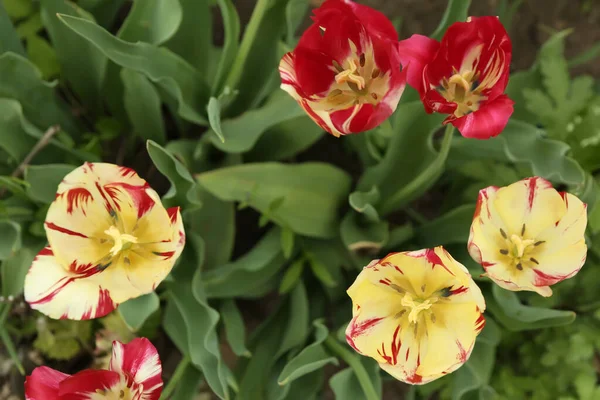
(231, 25)
(14, 269)
(152, 21)
(43, 56)
(241, 133)
(189, 383)
(292, 276)
(258, 56)
(214, 117)
(321, 272)
(477, 371)
(31, 26)
(143, 106)
(193, 39)
(295, 12)
(136, 311)
(43, 180)
(11, 239)
(18, 9)
(297, 327)
(313, 193)
(363, 202)
(183, 185)
(83, 66)
(9, 40)
(312, 358)
(37, 97)
(203, 342)
(247, 274)
(456, 11)
(451, 228)
(345, 385)
(13, 138)
(234, 328)
(287, 241)
(170, 72)
(515, 316)
(359, 234)
(410, 150)
(285, 140)
(62, 339)
(553, 67)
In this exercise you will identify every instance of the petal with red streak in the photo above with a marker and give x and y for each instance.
(43, 384)
(139, 361)
(487, 122)
(415, 53)
(87, 384)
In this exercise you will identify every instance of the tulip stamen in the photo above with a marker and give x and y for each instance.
(416, 306)
(463, 89)
(121, 241)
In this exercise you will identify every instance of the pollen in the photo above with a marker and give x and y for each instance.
(416, 306)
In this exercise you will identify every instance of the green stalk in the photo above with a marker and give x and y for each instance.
(352, 360)
(179, 371)
(10, 347)
(249, 37)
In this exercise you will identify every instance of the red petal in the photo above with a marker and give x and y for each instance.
(314, 73)
(85, 383)
(487, 122)
(43, 384)
(139, 361)
(415, 53)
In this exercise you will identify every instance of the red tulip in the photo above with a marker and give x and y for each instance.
(135, 374)
(345, 71)
(464, 75)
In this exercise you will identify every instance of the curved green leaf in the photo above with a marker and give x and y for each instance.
(346, 386)
(9, 39)
(456, 11)
(312, 193)
(11, 239)
(43, 180)
(136, 311)
(363, 203)
(143, 106)
(234, 328)
(515, 316)
(152, 21)
(14, 269)
(231, 25)
(170, 72)
(451, 228)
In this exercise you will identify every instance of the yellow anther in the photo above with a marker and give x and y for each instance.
(416, 306)
(121, 241)
(520, 244)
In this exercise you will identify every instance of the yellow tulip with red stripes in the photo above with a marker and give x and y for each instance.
(528, 236)
(416, 313)
(110, 240)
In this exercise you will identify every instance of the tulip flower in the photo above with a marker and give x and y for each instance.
(345, 71)
(134, 374)
(416, 313)
(110, 240)
(528, 236)
(464, 75)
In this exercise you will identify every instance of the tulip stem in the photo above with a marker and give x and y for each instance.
(174, 381)
(353, 361)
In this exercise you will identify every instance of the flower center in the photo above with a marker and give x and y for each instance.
(519, 249)
(463, 89)
(416, 305)
(121, 241)
(116, 393)
(520, 245)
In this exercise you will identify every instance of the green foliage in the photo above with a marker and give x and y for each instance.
(62, 340)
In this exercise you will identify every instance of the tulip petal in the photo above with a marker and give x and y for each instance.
(138, 360)
(89, 384)
(415, 53)
(43, 384)
(51, 289)
(487, 122)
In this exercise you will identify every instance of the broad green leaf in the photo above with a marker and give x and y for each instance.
(515, 316)
(477, 371)
(231, 25)
(43, 56)
(11, 239)
(312, 358)
(83, 65)
(183, 186)
(517, 84)
(105, 11)
(321, 272)
(43, 180)
(143, 106)
(248, 273)
(14, 185)
(18, 9)
(136, 311)
(152, 21)
(242, 133)
(9, 40)
(203, 342)
(37, 97)
(456, 11)
(295, 12)
(345, 385)
(292, 276)
(307, 387)
(359, 234)
(258, 56)
(14, 269)
(452, 227)
(170, 72)
(410, 150)
(313, 193)
(297, 327)
(187, 389)
(213, 110)
(193, 38)
(285, 140)
(31, 26)
(215, 223)
(553, 67)
(234, 328)
(362, 202)
(13, 137)
(176, 328)
(287, 241)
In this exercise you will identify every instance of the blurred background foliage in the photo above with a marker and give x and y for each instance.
(281, 217)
